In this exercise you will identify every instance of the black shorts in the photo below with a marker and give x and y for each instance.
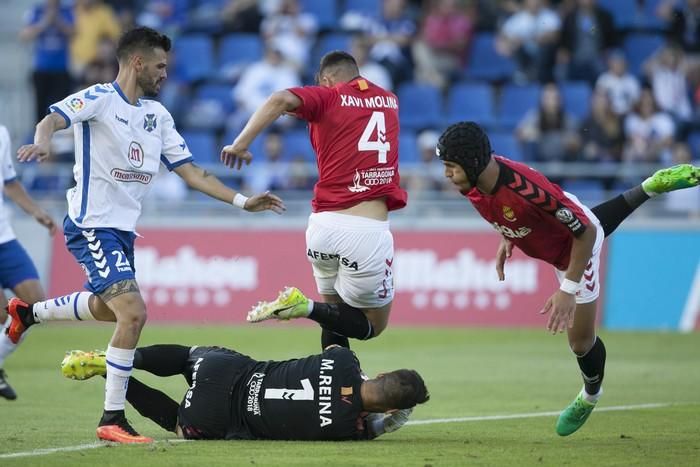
(205, 411)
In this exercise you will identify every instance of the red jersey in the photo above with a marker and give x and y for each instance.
(354, 130)
(532, 212)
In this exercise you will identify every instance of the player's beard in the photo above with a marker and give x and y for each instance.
(150, 88)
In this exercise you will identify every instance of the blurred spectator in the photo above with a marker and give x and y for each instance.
(549, 133)
(391, 36)
(621, 87)
(586, 35)
(666, 74)
(258, 81)
(93, 21)
(104, 67)
(530, 36)
(291, 32)
(272, 173)
(649, 132)
(51, 26)
(439, 52)
(164, 15)
(125, 11)
(491, 13)
(371, 70)
(682, 201)
(238, 16)
(427, 175)
(683, 23)
(602, 132)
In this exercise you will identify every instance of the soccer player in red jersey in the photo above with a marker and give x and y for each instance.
(354, 130)
(547, 223)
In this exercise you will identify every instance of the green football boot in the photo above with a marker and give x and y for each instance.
(574, 416)
(290, 304)
(81, 365)
(674, 178)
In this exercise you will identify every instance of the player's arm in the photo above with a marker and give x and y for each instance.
(201, 180)
(276, 105)
(16, 192)
(41, 148)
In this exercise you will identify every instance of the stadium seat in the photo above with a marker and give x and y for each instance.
(327, 43)
(471, 101)
(638, 47)
(576, 97)
(371, 8)
(590, 192)
(297, 143)
(237, 51)
(408, 148)
(484, 63)
(503, 143)
(209, 108)
(194, 57)
(202, 145)
(419, 106)
(515, 102)
(626, 13)
(325, 11)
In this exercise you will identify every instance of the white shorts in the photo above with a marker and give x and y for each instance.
(352, 257)
(589, 287)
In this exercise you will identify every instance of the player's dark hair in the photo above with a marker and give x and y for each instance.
(338, 60)
(403, 389)
(467, 145)
(141, 38)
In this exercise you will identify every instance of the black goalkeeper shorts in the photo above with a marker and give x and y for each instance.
(205, 411)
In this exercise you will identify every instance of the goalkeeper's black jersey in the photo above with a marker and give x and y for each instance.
(312, 398)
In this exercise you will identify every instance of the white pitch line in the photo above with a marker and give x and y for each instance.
(81, 447)
(532, 415)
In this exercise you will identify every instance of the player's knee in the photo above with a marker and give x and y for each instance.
(133, 316)
(581, 346)
(376, 329)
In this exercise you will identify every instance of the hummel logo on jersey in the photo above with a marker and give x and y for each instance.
(121, 120)
(149, 122)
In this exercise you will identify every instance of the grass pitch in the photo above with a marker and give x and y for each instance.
(469, 372)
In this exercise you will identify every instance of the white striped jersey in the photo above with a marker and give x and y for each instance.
(119, 148)
(7, 174)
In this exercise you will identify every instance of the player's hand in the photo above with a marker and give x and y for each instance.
(263, 202)
(562, 306)
(505, 251)
(43, 218)
(235, 155)
(30, 152)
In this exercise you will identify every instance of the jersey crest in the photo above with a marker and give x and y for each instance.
(149, 122)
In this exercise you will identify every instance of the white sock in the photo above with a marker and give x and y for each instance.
(119, 366)
(592, 398)
(6, 345)
(66, 308)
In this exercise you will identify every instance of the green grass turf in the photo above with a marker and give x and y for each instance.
(470, 372)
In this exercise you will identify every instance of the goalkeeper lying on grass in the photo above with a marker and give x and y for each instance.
(232, 396)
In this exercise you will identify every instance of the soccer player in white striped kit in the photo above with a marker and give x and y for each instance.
(17, 271)
(121, 139)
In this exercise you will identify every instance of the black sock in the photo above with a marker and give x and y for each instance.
(163, 359)
(27, 318)
(593, 367)
(331, 338)
(612, 212)
(343, 319)
(153, 404)
(111, 416)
